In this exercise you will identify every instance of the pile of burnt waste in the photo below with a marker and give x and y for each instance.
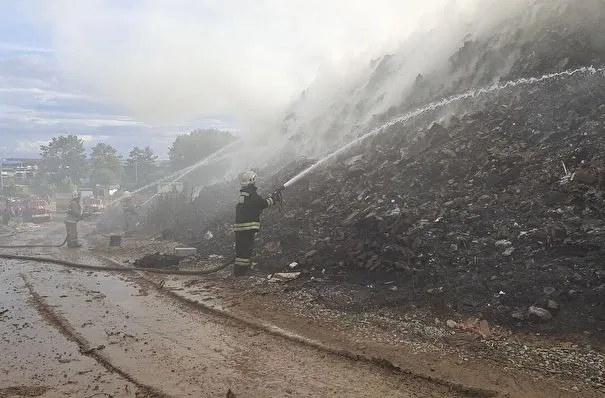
(496, 213)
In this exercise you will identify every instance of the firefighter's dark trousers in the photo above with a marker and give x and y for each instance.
(130, 222)
(72, 234)
(244, 247)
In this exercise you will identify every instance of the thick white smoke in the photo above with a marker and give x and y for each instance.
(169, 61)
(175, 60)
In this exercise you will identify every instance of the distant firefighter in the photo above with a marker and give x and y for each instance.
(74, 214)
(130, 213)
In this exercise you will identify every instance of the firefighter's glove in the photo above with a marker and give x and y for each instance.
(276, 196)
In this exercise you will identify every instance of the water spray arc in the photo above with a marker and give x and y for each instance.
(177, 175)
(185, 171)
(587, 70)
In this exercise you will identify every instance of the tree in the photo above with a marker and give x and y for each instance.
(189, 149)
(140, 165)
(63, 160)
(106, 165)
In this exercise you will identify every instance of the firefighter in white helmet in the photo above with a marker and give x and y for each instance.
(74, 214)
(247, 220)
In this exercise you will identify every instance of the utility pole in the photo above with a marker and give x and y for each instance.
(136, 172)
(1, 175)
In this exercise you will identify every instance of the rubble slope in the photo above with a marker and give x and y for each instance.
(476, 215)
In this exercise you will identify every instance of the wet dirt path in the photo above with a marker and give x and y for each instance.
(158, 348)
(36, 359)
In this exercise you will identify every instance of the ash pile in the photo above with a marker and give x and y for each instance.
(495, 212)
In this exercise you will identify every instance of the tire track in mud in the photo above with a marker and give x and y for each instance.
(63, 326)
(382, 363)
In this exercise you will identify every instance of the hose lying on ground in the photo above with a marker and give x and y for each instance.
(26, 246)
(114, 268)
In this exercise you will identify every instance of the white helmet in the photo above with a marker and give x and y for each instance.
(127, 195)
(247, 178)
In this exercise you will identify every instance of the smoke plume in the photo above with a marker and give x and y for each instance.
(169, 61)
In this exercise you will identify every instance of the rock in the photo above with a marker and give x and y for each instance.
(556, 232)
(310, 253)
(586, 176)
(316, 204)
(508, 252)
(452, 324)
(549, 290)
(353, 160)
(350, 220)
(484, 329)
(552, 305)
(519, 315)
(272, 247)
(540, 313)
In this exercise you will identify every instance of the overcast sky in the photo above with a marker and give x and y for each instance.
(138, 72)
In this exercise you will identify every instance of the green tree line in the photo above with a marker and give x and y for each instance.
(65, 163)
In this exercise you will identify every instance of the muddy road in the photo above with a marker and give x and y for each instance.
(68, 332)
(79, 333)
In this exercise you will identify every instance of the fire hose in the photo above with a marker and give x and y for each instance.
(26, 246)
(277, 194)
(113, 268)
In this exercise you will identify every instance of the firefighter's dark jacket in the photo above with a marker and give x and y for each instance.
(128, 206)
(249, 209)
(74, 211)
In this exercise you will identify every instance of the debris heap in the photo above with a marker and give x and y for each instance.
(496, 211)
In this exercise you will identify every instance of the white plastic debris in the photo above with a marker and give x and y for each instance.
(283, 277)
(293, 264)
(503, 243)
(208, 235)
(185, 251)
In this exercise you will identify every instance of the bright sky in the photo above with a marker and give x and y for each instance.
(138, 72)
